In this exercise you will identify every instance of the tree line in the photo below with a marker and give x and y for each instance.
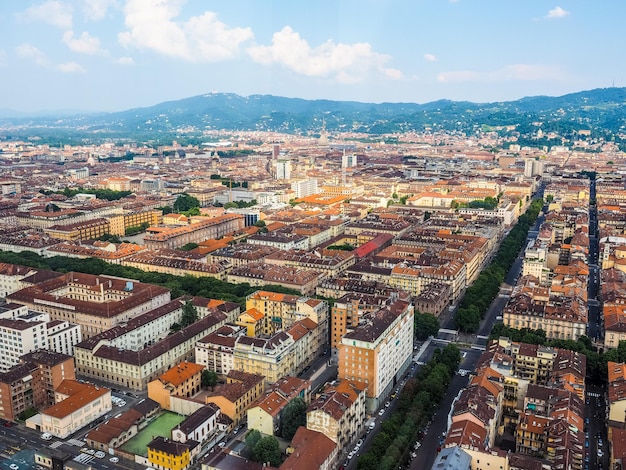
(179, 285)
(417, 404)
(483, 291)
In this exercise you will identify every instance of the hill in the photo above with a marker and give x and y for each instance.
(602, 111)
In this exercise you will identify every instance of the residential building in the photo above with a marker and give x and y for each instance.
(265, 413)
(183, 379)
(379, 351)
(165, 454)
(339, 412)
(237, 394)
(311, 450)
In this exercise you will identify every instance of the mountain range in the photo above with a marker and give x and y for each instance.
(603, 111)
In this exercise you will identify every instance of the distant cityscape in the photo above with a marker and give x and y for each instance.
(334, 299)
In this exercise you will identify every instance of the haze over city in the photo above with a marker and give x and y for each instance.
(109, 55)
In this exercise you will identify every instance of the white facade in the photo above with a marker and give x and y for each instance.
(18, 337)
(199, 426)
(62, 336)
(304, 188)
(283, 170)
(32, 331)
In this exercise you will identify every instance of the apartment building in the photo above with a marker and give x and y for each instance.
(237, 394)
(265, 414)
(283, 354)
(19, 390)
(182, 380)
(101, 358)
(216, 351)
(280, 311)
(260, 274)
(379, 351)
(165, 454)
(339, 412)
(87, 230)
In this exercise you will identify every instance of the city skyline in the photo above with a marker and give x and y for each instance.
(112, 55)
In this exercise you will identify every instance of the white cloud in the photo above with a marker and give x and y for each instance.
(519, 72)
(201, 38)
(347, 63)
(52, 12)
(70, 67)
(30, 52)
(557, 12)
(430, 57)
(85, 44)
(96, 10)
(125, 61)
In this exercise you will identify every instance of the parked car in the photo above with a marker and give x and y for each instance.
(114, 459)
(46, 436)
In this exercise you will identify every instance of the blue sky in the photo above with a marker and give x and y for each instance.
(109, 55)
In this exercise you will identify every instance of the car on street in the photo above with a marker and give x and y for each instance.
(372, 425)
(381, 412)
(46, 436)
(99, 454)
(114, 459)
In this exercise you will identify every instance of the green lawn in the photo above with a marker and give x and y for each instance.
(161, 426)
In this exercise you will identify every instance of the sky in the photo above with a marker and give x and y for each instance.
(113, 55)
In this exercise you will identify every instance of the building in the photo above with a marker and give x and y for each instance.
(96, 303)
(77, 404)
(182, 380)
(265, 413)
(200, 426)
(102, 358)
(55, 367)
(339, 412)
(19, 391)
(311, 450)
(216, 351)
(201, 228)
(379, 351)
(237, 394)
(165, 454)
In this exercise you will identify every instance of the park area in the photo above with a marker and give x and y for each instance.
(161, 426)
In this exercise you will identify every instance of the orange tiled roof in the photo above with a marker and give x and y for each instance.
(180, 373)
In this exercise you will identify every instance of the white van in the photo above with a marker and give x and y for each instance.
(46, 436)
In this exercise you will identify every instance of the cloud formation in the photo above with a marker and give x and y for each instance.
(430, 57)
(96, 10)
(85, 44)
(70, 67)
(346, 63)
(151, 26)
(124, 61)
(52, 11)
(30, 52)
(520, 72)
(557, 12)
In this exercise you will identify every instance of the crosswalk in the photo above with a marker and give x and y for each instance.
(56, 444)
(75, 442)
(83, 458)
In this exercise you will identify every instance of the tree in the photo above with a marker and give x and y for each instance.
(425, 325)
(294, 416)
(209, 378)
(190, 314)
(189, 246)
(252, 438)
(185, 202)
(267, 450)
